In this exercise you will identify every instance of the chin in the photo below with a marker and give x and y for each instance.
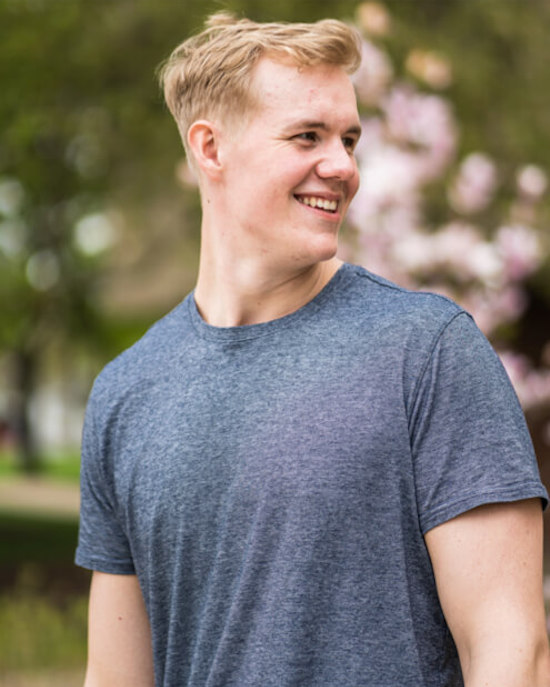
(321, 252)
(327, 248)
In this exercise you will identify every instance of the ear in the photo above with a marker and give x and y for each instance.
(203, 140)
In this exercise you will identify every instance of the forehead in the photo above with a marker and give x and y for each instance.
(286, 91)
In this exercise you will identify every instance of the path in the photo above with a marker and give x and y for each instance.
(47, 678)
(39, 495)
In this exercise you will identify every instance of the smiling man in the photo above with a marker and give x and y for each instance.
(304, 475)
(276, 187)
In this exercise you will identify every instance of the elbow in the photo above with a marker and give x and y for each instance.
(541, 663)
(502, 663)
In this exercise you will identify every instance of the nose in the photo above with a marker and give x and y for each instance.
(337, 162)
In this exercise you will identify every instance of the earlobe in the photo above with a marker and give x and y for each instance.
(203, 141)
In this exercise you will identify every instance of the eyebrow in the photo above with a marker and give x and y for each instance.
(307, 124)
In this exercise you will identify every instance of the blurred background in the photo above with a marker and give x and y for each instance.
(99, 237)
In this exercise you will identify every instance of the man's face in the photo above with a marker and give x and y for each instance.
(291, 172)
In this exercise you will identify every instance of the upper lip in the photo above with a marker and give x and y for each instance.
(325, 195)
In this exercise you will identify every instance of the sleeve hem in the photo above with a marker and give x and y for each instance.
(99, 564)
(444, 513)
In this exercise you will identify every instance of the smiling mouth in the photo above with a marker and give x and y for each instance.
(318, 203)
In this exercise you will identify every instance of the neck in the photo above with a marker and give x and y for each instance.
(234, 290)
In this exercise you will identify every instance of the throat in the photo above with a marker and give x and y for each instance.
(231, 304)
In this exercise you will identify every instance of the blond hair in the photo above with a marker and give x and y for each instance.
(209, 74)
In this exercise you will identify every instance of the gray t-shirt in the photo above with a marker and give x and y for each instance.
(271, 484)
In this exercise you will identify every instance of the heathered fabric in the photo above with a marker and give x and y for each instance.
(271, 484)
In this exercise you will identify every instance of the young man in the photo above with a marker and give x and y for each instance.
(303, 475)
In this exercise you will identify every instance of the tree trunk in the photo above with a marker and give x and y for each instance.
(24, 369)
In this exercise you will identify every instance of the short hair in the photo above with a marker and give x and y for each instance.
(209, 74)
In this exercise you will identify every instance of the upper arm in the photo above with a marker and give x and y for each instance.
(488, 569)
(119, 637)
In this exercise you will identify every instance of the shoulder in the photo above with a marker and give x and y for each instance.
(148, 361)
(378, 302)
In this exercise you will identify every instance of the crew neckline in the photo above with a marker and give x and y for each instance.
(253, 331)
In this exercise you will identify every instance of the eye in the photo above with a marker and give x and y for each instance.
(307, 137)
(349, 143)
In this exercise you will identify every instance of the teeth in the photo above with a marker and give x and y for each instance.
(321, 203)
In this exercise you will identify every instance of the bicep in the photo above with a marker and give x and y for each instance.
(119, 636)
(488, 570)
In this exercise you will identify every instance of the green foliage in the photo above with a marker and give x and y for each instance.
(35, 539)
(85, 132)
(43, 615)
(35, 633)
(60, 466)
(497, 50)
(84, 127)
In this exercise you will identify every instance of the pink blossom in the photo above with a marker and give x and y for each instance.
(374, 75)
(491, 308)
(531, 385)
(387, 174)
(423, 122)
(520, 249)
(410, 143)
(532, 181)
(457, 249)
(412, 254)
(474, 186)
(485, 264)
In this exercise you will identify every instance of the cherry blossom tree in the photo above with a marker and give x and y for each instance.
(480, 245)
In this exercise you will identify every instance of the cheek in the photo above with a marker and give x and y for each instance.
(354, 184)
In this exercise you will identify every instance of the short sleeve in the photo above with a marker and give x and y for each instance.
(102, 543)
(469, 439)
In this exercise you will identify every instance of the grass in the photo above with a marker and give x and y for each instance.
(37, 634)
(61, 466)
(43, 596)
